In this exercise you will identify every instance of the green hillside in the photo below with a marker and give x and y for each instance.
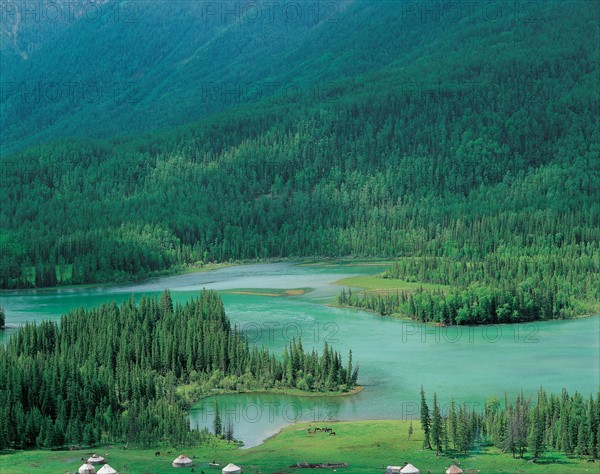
(475, 140)
(127, 67)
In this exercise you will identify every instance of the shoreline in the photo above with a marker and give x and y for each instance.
(432, 324)
(279, 391)
(284, 391)
(190, 269)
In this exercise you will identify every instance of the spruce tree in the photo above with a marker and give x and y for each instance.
(229, 430)
(217, 425)
(425, 420)
(436, 426)
(453, 424)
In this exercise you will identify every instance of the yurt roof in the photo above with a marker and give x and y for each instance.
(409, 469)
(231, 468)
(183, 460)
(95, 459)
(454, 469)
(87, 468)
(106, 469)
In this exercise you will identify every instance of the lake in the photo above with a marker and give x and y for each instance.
(396, 357)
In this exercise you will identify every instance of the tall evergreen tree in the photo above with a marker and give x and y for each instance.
(425, 420)
(437, 428)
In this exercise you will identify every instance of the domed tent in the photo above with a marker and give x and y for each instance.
(106, 469)
(409, 469)
(183, 461)
(87, 468)
(231, 469)
(454, 469)
(95, 459)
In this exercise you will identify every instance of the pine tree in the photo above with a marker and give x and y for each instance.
(425, 420)
(453, 424)
(436, 426)
(536, 434)
(229, 430)
(217, 425)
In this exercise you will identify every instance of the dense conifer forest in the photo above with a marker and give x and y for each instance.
(506, 286)
(452, 153)
(568, 423)
(111, 373)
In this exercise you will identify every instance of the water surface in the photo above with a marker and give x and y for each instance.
(395, 356)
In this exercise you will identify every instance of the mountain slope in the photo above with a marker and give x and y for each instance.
(480, 140)
(171, 62)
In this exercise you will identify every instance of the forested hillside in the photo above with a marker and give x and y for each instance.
(480, 143)
(111, 373)
(128, 66)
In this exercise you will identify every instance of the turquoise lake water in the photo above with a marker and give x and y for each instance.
(396, 357)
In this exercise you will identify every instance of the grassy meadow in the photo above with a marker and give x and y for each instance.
(367, 447)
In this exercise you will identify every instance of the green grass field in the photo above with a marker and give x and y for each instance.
(367, 447)
(374, 283)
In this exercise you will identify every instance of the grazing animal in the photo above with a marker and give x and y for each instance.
(157, 453)
(169, 452)
(332, 433)
(591, 460)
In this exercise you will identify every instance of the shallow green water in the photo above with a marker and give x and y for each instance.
(395, 356)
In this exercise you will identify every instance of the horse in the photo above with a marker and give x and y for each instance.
(157, 453)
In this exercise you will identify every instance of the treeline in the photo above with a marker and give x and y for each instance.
(385, 167)
(506, 285)
(473, 305)
(111, 373)
(567, 423)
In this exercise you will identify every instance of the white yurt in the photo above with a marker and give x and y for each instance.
(231, 469)
(106, 469)
(454, 469)
(183, 461)
(409, 469)
(95, 459)
(87, 468)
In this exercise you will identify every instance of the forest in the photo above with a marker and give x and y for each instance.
(111, 373)
(505, 286)
(568, 423)
(456, 154)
